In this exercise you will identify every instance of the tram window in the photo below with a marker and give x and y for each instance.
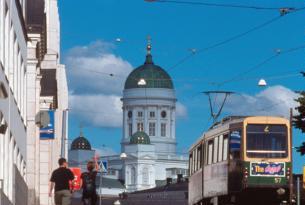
(225, 148)
(199, 150)
(220, 148)
(210, 151)
(203, 155)
(206, 152)
(194, 160)
(191, 164)
(215, 154)
(267, 141)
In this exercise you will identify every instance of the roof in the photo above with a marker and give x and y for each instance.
(183, 186)
(154, 76)
(139, 138)
(80, 143)
(111, 183)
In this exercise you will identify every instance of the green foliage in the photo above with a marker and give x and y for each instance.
(301, 149)
(299, 119)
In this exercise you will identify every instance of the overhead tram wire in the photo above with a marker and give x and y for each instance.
(201, 3)
(235, 37)
(259, 65)
(228, 40)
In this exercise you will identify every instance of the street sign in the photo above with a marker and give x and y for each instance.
(75, 184)
(104, 166)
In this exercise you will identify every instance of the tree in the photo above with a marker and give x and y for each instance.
(299, 119)
(301, 149)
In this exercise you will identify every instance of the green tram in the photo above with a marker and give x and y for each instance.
(242, 160)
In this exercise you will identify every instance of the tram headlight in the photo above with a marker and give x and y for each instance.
(280, 191)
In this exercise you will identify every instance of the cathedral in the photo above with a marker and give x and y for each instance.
(148, 146)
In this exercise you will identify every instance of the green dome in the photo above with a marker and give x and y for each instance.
(140, 138)
(154, 76)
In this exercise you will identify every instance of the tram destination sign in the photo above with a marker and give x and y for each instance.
(267, 169)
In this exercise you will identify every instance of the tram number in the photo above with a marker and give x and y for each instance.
(277, 180)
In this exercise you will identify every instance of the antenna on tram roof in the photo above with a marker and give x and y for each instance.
(226, 94)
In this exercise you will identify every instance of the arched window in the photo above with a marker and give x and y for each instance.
(145, 176)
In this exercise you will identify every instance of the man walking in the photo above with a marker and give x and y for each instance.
(60, 178)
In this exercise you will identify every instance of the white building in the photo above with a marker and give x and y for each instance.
(13, 109)
(149, 124)
(46, 90)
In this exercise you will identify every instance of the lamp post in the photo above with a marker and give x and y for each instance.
(100, 182)
(1, 190)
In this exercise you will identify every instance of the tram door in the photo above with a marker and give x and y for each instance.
(235, 163)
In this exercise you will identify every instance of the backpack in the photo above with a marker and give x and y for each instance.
(89, 182)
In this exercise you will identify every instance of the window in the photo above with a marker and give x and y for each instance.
(132, 175)
(210, 151)
(191, 164)
(267, 141)
(140, 127)
(145, 175)
(163, 114)
(225, 148)
(215, 154)
(220, 148)
(129, 114)
(140, 114)
(152, 129)
(163, 129)
(194, 160)
(199, 157)
(152, 114)
(130, 129)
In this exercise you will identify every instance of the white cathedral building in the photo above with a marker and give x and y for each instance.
(148, 144)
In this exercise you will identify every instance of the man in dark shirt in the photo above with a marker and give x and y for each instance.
(60, 178)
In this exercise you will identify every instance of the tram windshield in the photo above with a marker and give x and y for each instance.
(267, 141)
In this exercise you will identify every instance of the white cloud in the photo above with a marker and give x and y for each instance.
(181, 110)
(98, 110)
(89, 69)
(276, 100)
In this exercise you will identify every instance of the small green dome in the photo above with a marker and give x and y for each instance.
(140, 138)
(154, 76)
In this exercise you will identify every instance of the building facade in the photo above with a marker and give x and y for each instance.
(46, 92)
(13, 108)
(149, 124)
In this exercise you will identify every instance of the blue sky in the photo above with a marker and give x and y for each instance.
(89, 30)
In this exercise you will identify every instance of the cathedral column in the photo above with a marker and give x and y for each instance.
(125, 123)
(158, 124)
(173, 123)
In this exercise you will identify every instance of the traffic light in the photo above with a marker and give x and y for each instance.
(301, 149)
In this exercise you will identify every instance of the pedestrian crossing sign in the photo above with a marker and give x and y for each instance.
(104, 166)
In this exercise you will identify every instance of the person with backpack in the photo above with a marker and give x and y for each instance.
(88, 184)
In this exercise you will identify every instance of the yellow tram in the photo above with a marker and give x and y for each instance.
(242, 160)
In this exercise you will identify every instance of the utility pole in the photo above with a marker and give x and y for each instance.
(291, 173)
(298, 192)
